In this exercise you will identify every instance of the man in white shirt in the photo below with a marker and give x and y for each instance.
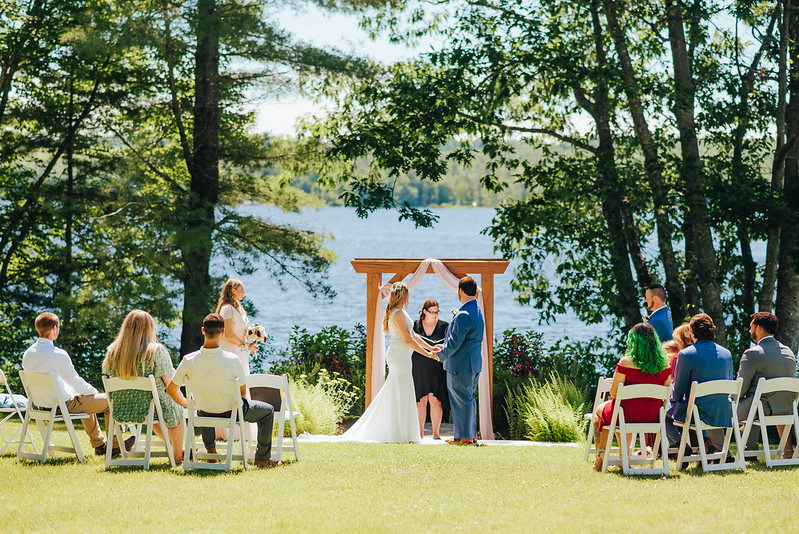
(212, 362)
(80, 396)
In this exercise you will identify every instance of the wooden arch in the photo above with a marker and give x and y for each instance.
(374, 268)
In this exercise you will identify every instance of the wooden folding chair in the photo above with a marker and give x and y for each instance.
(9, 412)
(693, 421)
(619, 425)
(192, 456)
(136, 457)
(274, 390)
(45, 394)
(790, 421)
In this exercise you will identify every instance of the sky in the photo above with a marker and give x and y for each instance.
(311, 24)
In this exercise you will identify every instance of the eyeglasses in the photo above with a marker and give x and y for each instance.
(431, 312)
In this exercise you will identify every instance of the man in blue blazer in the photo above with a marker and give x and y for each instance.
(660, 318)
(463, 361)
(701, 362)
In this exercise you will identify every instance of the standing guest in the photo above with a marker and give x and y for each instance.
(429, 377)
(236, 322)
(701, 362)
(44, 357)
(463, 361)
(213, 362)
(660, 318)
(644, 362)
(136, 352)
(769, 359)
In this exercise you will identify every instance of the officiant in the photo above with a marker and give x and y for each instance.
(429, 377)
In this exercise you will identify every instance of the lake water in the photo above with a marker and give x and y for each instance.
(381, 235)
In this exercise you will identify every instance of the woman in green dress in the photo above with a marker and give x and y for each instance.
(136, 352)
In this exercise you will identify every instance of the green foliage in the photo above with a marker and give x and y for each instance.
(551, 410)
(322, 404)
(334, 350)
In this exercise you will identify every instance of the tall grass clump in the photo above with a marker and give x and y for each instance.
(546, 411)
(322, 404)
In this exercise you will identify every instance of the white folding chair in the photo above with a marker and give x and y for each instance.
(618, 424)
(791, 421)
(693, 421)
(14, 410)
(602, 394)
(192, 454)
(137, 457)
(45, 393)
(274, 390)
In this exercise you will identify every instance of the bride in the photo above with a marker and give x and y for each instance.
(392, 416)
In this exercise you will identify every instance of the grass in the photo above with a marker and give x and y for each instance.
(339, 487)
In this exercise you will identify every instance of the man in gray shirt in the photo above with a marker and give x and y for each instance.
(768, 358)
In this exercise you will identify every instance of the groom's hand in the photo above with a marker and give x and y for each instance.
(435, 348)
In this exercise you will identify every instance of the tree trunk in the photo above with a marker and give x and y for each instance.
(627, 293)
(197, 239)
(692, 174)
(677, 299)
(787, 307)
(766, 297)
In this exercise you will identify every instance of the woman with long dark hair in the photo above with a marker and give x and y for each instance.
(429, 377)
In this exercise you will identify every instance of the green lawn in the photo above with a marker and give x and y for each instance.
(398, 488)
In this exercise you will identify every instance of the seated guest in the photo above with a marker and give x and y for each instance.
(212, 362)
(682, 335)
(644, 362)
(701, 362)
(660, 318)
(770, 359)
(135, 352)
(44, 357)
(681, 338)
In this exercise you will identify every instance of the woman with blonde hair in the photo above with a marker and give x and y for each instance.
(681, 339)
(392, 415)
(137, 353)
(236, 322)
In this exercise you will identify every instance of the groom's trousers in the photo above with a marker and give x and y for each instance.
(461, 388)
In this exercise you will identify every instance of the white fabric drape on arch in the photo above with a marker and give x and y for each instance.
(450, 282)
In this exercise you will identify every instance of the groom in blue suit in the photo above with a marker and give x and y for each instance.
(463, 361)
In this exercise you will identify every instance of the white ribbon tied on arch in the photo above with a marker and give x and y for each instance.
(450, 282)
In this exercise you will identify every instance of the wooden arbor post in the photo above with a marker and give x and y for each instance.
(374, 268)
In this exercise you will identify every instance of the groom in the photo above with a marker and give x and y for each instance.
(463, 361)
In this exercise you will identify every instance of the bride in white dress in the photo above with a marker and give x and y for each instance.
(392, 416)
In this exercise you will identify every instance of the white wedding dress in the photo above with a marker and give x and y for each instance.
(392, 416)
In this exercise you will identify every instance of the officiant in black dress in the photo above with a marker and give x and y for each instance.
(429, 377)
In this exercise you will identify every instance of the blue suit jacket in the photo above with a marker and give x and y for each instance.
(661, 322)
(461, 350)
(701, 362)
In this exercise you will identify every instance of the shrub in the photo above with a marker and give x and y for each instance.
(546, 411)
(517, 357)
(339, 351)
(583, 362)
(322, 405)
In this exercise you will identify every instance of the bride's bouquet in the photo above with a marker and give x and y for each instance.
(255, 333)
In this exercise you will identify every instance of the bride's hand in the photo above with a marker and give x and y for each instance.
(433, 356)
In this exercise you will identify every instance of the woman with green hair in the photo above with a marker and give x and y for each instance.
(644, 362)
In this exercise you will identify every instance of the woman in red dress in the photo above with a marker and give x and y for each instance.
(644, 362)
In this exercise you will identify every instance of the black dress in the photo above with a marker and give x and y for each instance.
(429, 375)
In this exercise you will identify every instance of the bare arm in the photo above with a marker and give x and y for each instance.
(173, 390)
(409, 337)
